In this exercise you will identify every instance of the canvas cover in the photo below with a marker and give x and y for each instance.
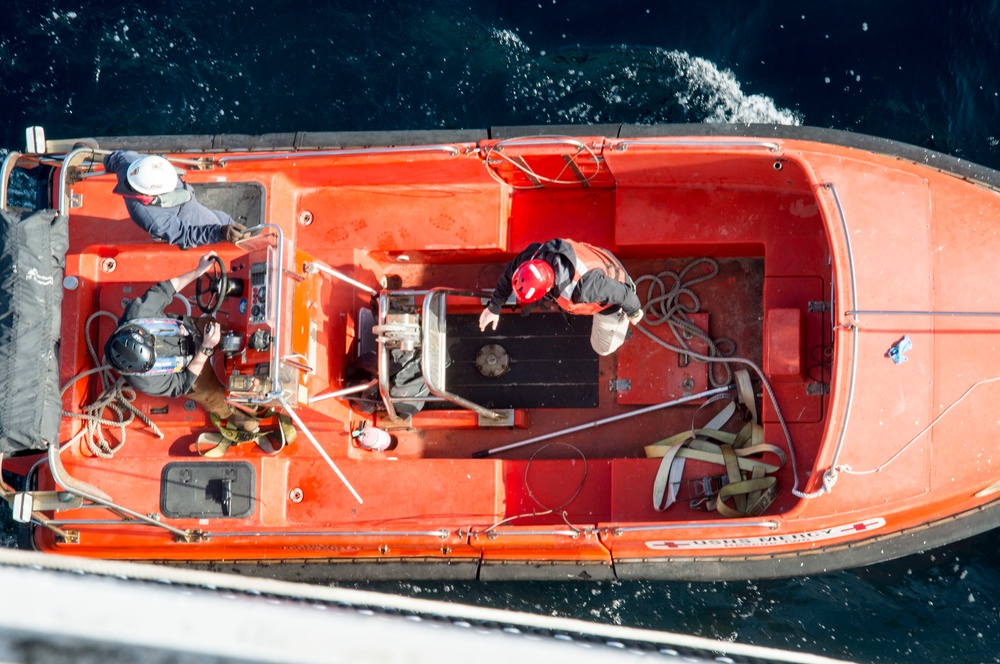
(33, 247)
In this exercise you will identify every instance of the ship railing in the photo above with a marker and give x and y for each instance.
(736, 144)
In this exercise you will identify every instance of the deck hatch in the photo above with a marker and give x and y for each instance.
(204, 490)
(550, 365)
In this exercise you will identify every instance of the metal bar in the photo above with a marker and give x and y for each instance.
(440, 534)
(527, 533)
(345, 392)
(770, 525)
(571, 164)
(852, 382)
(607, 420)
(520, 162)
(383, 360)
(9, 164)
(432, 333)
(319, 448)
(450, 149)
(343, 277)
(885, 312)
(69, 162)
(61, 477)
(624, 145)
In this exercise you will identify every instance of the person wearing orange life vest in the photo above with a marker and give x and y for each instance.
(581, 279)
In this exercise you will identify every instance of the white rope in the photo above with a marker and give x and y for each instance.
(846, 469)
(672, 309)
(668, 306)
(546, 509)
(117, 396)
(496, 152)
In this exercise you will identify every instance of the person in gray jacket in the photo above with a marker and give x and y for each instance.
(166, 355)
(164, 206)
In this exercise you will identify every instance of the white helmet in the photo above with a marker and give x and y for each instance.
(152, 175)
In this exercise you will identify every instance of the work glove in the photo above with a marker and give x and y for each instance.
(235, 232)
(487, 319)
(636, 317)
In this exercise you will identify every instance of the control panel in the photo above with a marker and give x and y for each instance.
(258, 293)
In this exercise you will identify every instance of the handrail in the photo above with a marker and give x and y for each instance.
(441, 533)
(70, 161)
(432, 340)
(830, 476)
(450, 149)
(383, 359)
(735, 523)
(275, 296)
(9, 164)
(623, 145)
(95, 495)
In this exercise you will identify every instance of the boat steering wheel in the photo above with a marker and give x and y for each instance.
(212, 287)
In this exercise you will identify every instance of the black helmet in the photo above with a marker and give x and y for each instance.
(131, 349)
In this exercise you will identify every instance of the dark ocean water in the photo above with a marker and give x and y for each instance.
(927, 73)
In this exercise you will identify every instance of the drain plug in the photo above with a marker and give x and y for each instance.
(492, 361)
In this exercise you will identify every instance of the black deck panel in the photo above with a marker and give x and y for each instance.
(552, 364)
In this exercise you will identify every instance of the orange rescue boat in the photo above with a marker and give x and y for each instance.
(810, 388)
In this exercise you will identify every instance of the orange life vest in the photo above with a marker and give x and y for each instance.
(588, 257)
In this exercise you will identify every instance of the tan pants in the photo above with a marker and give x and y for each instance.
(607, 333)
(207, 389)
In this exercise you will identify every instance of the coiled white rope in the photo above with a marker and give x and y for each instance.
(117, 396)
(671, 306)
(667, 308)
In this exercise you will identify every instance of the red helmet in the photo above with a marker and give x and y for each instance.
(532, 280)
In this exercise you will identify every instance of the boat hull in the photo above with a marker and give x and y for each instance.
(814, 255)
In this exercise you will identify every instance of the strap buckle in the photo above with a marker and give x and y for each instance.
(703, 490)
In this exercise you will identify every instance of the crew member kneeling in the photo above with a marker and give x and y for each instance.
(166, 355)
(581, 279)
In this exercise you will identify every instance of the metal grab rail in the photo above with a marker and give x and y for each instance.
(276, 296)
(433, 358)
(9, 164)
(98, 497)
(451, 150)
(623, 145)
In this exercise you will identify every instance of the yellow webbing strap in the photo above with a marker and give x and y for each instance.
(671, 469)
(735, 476)
(270, 441)
(766, 489)
(750, 495)
(744, 391)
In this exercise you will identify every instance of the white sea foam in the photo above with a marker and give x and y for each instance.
(627, 84)
(717, 94)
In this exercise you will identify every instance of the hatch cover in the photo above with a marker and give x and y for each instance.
(207, 490)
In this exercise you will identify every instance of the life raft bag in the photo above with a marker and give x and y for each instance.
(33, 246)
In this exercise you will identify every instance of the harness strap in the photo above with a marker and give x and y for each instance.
(748, 484)
(669, 474)
(270, 441)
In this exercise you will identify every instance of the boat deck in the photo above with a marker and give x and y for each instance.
(769, 249)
